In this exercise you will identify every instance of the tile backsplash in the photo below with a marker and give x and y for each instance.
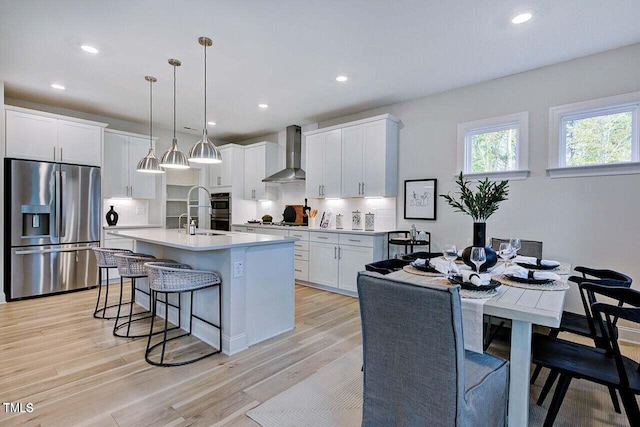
(130, 211)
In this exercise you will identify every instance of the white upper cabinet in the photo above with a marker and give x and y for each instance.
(229, 173)
(122, 152)
(323, 166)
(36, 135)
(260, 161)
(356, 159)
(370, 159)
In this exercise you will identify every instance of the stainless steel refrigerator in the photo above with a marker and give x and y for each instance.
(52, 216)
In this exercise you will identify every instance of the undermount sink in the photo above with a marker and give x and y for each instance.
(214, 233)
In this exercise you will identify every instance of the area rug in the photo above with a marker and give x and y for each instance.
(330, 397)
(333, 397)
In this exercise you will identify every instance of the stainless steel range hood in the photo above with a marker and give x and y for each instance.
(292, 171)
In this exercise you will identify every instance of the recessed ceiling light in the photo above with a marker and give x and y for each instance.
(263, 105)
(57, 86)
(89, 49)
(211, 123)
(342, 78)
(521, 18)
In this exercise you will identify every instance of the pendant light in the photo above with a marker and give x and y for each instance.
(204, 151)
(174, 158)
(149, 163)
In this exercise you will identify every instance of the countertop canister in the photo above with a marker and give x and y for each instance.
(369, 221)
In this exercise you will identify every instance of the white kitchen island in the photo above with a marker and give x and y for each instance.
(257, 282)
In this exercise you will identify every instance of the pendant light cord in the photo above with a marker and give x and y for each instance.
(205, 86)
(174, 102)
(150, 113)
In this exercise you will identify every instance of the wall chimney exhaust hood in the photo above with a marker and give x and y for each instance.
(293, 171)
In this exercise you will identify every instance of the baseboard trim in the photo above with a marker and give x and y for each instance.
(327, 288)
(630, 335)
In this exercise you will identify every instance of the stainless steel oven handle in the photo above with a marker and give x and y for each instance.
(48, 251)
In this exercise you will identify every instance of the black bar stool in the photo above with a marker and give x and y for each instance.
(105, 260)
(165, 278)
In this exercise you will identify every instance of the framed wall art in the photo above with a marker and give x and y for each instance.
(420, 197)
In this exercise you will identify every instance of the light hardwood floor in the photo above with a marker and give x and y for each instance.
(54, 354)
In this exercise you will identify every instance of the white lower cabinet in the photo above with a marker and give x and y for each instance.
(352, 260)
(330, 259)
(323, 264)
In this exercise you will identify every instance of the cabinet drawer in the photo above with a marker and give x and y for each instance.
(301, 255)
(301, 270)
(356, 240)
(239, 229)
(302, 246)
(302, 235)
(251, 230)
(323, 237)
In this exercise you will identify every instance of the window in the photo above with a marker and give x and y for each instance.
(495, 147)
(598, 137)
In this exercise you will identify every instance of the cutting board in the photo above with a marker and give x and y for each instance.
(299, 212)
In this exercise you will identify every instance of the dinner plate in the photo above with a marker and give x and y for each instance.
(456, 279)
(530, 281)
(425, 269)
(536, 266)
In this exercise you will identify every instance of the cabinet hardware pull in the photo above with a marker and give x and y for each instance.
(335, 252)
(322, 237)
(299, 271)
(353, 240)
(298, 255)
(339, 253)
(359, 188)
(60, 153)
(54, 154)
(363, 188)
(319, 193)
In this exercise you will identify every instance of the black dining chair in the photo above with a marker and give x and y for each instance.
(529, 247)
(583, 324)
(604, 366)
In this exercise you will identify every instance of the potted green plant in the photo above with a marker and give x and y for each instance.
(479, 205)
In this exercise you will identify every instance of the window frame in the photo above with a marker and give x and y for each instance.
(559, 115)
(466, 130)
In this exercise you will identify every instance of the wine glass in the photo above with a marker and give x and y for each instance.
(515, 245)
(478, 257)
(506, 253)
(450, 253)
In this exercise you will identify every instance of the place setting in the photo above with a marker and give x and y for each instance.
(528, 272)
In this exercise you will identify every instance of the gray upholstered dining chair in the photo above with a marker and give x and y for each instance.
(529, 247)
(416, 370)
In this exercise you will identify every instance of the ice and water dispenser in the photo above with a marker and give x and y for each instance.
(35, 220)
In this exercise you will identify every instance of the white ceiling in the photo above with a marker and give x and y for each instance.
(286, 53)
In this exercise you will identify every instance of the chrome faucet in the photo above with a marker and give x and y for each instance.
(180, 220)
(189, 205)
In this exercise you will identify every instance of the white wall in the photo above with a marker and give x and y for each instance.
(591, 221)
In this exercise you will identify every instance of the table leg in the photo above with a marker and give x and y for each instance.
(520, 366)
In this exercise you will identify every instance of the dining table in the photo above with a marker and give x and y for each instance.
(524, 308)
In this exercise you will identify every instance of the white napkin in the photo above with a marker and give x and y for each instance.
(472, 277)
(534, 261)
(440, 265)
(443, 266)
(523, 273)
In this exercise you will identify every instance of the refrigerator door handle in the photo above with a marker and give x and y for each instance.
(49, 251)
(57, 205)
(63, 179)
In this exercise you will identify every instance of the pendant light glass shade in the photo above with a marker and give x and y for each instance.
(174, 158)
(149, 163)
(204, 151)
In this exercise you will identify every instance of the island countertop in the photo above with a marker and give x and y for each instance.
(206, 240)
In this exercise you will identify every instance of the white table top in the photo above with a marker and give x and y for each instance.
(201, 242)
(532, 306)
